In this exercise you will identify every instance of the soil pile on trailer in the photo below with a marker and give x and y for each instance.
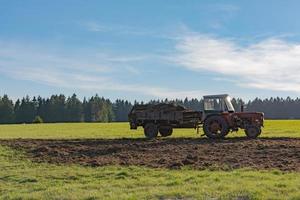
(231, 153)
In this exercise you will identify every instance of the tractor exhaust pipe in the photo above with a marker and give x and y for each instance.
(242, 108)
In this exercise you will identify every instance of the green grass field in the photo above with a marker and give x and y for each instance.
(273, 128)
(22, 179)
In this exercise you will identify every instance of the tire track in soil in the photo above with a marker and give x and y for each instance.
(174, 153)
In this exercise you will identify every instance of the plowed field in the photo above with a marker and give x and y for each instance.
(174, 153)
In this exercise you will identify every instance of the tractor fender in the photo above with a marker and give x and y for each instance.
(212, 115)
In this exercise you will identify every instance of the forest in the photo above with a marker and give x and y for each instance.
(59, 108)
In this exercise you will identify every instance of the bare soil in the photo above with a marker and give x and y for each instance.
(231, 153)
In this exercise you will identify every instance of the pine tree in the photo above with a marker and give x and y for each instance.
(26, 111)
(73, 109)
(6, 110)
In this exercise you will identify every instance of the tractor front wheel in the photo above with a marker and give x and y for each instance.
(215, 127)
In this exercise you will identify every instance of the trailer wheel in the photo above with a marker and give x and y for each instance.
(215, 127)
(150, 130)
(165, 131)
(252, 131)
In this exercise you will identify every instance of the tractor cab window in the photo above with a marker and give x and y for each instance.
(214, 104)
(218, 104)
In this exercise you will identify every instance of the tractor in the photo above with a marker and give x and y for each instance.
(218, 118)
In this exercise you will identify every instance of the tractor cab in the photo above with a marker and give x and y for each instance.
(215, 104)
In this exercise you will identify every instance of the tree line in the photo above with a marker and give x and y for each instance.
(59, 108)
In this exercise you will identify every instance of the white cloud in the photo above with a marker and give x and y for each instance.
(89, 71)
(225, 7)
(271, 64)
(95, 26)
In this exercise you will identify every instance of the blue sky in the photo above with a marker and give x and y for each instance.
(150, 49)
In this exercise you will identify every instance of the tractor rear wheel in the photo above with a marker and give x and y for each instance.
(165, 131)
(150, 130)
(252, 131)
(215, 127)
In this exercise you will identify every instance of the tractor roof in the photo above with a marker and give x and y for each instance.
(216, 96)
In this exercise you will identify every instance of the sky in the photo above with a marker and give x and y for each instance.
(142, 50)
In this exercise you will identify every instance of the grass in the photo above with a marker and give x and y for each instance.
(273, 128)
(22, 179)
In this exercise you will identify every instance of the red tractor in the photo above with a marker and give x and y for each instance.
(218, 118)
